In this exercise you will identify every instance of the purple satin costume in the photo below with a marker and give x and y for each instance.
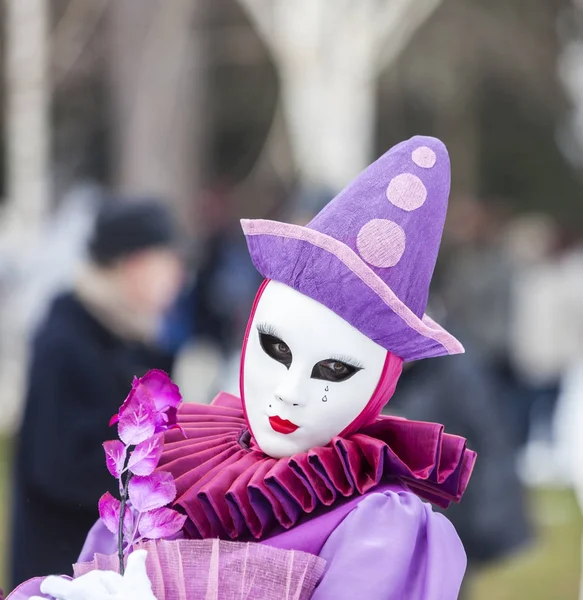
(387, 545)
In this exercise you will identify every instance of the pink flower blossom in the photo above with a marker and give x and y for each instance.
(158, 386)
(109, 512)
(115, 455)
(137, 422)
(155, 491)
(151, 407)
(145, 457)
(161, 523)
(149, 410)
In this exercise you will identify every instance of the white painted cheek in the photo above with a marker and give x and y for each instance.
(261, 370)
(334, 405)
(319, 409)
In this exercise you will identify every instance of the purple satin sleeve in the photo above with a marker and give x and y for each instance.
(392, 546)
(99, 541)
(27, 589)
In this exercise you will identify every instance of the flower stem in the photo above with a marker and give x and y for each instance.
(122, 511)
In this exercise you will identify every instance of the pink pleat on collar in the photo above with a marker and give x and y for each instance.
(383, 392)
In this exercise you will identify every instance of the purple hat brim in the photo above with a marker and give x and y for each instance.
(328, 271)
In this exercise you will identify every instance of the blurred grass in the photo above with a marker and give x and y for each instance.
(5, 459)
(548, 570)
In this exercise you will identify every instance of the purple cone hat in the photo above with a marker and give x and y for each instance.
(369, 255)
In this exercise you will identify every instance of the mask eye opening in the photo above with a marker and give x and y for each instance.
(274, 346)
(334, 370)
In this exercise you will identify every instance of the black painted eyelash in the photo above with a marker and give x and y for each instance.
(267, 329)
(347, 360)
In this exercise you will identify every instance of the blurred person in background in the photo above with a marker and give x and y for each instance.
(492, 521)
(226, 284)
(543, 334)
(476, 280)
(567, 319)
(214, 307)
(474, 289)
(93, 341)
(205, 326)
(226, 281)
(549, 293)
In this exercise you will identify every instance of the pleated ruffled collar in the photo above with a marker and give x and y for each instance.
(231, 490)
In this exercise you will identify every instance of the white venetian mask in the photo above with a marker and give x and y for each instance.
(307, 374)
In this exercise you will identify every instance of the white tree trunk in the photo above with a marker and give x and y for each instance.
(330, 115)
(157, 99)
(26, 28)
(72, 34)
(571, 73)
(329, 54)
(28, 99)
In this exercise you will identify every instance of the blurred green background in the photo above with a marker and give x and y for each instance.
(5, 449)
(550, 569)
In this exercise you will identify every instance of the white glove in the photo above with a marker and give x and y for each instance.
(104, 585)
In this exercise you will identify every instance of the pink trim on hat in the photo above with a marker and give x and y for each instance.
(425, 327)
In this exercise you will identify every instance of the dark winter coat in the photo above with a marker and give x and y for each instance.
(458, 392)
(79, 375)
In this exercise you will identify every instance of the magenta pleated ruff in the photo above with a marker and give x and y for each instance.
(231, 490)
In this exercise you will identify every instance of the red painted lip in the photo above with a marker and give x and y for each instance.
(282, 426)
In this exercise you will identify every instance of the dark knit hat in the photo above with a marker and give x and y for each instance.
(125, 226)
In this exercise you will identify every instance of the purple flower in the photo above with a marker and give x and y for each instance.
(165, 395)
(155, 491)
(161, 389)
(137, 421)
(109, 512)
(115, 456)
(151, 407)
(161, 523)
(149, 410)
(145, 457)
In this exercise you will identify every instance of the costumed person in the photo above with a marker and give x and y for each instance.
(303, 470)
(93, 340)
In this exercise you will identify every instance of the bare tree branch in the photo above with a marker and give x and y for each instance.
(156, 99)
(329, 54)
(27, 115)
(260, 13)
(396, 25)
(72, 34)
(275, 152)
